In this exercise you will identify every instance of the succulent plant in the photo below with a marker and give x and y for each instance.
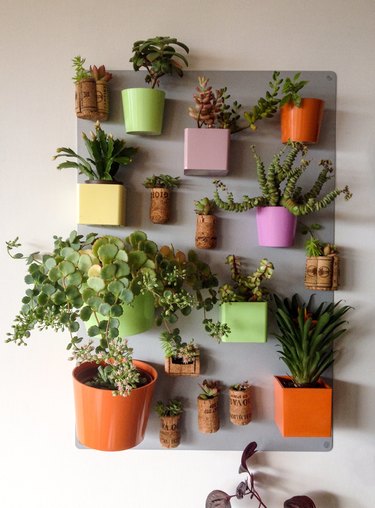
(211, 108)
(159, 57)
(100, 73)
(290, 90)
(174, 347)
(80, 72)
(289, 194)
(210, 389)
(306, 336)
(162, 181)
(204, 206)
(106, 155)
(173, 407)
(315, 247)
(241, 387)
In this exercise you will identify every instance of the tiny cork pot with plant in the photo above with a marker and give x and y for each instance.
(170, 417)
(181, 358)
(205, 230)
(161, 187)
(208, 407)
(240, 409)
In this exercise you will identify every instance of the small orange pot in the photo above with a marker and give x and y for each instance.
(301, 124)
(109, 423)
(303, 412)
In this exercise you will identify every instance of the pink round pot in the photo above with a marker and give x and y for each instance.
(276, 226)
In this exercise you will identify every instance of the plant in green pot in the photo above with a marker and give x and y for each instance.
(102, 199)
(161, 187)
(170, 416)
(206, 147)
(306, 336)
(91, 90)
(144, 107)
(244, 303)
(282, 200)
(322, 269)
(96, 280)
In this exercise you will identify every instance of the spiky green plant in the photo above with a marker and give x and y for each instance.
(106, 155)
(159, 57)
(315, 247)
(204, 206)
(278, 185)
(162, 181)
(80, 72)
(173, 407)
(307, 335)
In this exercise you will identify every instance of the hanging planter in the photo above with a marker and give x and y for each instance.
(91, 91)
(170, 417)
(205, 230)
(176, 367)
(111, 423)
(301, 123)
(247, 321)
(101, 202)
(161, 187)
(181, 358)
(302, 412)
(208, 407)
(206, 152)
(322, 273)
(276, 226)
(143, 107)
(240, 404)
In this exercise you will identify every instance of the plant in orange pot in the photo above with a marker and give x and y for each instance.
(303, 400)
(95, 280)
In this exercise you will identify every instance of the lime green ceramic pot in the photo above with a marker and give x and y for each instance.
(143, 110)
(136, 318)
(247, 321)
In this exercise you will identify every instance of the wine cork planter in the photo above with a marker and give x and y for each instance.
(91, 100)
(240, 406)
(208, 415)
(170, 434)
(205, 233)
(160, 205)
(175, 367)
(322, 273)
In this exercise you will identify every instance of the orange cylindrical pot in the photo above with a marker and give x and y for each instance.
(301, 123)
(303, 412)
(111, 423)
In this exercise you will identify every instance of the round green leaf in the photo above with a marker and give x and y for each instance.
(93, 331)
(107, 253)
(116, 311)
(123, 269)
(109, 272)
(84, 262)
(85, 313)
(54, 274)
(105, 309)
(126, 295)
(96, 283)
(115, 287)
(94, 302)
(74, 279)
(66, 268)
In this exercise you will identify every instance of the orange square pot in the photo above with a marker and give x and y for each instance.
(303, 412)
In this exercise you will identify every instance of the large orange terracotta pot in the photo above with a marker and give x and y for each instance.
(302, 123)
(302, 412)
(109, 423)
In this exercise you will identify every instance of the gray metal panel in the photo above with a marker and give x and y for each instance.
(229, 363)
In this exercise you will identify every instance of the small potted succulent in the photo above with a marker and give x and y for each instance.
(220, 499)
(170, 416)
(161, 186)
(303, 400)
(91, 91)
(240, 403)
(322, 268)
(208, 406)
(243, 303)
(181, 358)
(206, 147)
(205, 229)
(281, 199)
(101, 197)
(144, 107)
(100, 279)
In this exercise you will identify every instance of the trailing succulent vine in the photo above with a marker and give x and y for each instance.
(278, 184)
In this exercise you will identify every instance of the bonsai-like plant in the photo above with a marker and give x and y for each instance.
(204, 206)
(85, 277)
(106, 155)
(173, 407)
(159, 57)
(315, 247)
(210, 389)
(162, 181)
(174, 347)
(211, 108)
(306, 336)
(278, 185)
(220, 499)
(246, 288)
(80, 73)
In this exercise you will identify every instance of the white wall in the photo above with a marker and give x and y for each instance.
(39, 465)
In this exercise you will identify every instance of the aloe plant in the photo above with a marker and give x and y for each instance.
(106, 155)
(278, 184)
(307, 335)
(159, 57)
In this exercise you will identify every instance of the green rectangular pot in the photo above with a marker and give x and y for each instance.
(247, 321)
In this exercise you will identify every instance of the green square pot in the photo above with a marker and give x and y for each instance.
(143, 110)
(247, 321)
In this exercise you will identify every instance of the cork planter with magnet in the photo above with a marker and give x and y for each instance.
(170, 417)
(205, 229)
(240, 409)
(161, 187)
(208, 407)
(322, 273)
(176, 367)
(101, 203)
(181, 358)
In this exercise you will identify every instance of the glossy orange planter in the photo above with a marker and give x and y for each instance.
(109, 423)
(302, 124)
(303, 412)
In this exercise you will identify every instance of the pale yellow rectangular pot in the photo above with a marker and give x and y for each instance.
(101, 204)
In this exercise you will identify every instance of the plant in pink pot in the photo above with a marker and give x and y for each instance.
(281, 200)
